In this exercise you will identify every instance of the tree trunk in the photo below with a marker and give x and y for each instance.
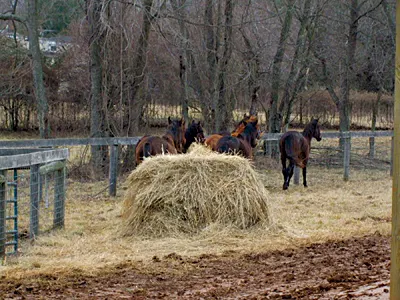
(392, 25)
(184, 65)
(136, 110)
(275, 117)
(344, 105)
(253, 64)
(96, 86)
(295, 78)
(37, 69)
(212, 42)
(222, 116)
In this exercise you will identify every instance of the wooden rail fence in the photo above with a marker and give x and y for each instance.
(114, 142)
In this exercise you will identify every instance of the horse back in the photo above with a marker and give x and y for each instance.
(294, 146)
(153, 145)
(228, 144)
(212, 141)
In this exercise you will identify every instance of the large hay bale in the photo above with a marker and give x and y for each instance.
(174, 194)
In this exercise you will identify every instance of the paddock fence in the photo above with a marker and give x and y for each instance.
(32, 194)
(33, 172)
(364, 148)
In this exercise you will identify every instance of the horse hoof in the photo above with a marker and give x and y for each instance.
(285, 187)
(305, 185)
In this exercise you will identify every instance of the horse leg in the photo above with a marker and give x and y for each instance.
(284, 171)
(290, 171)
(305, 175)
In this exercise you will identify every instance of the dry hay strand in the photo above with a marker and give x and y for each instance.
(173, 194)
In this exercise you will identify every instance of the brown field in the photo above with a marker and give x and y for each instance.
(332, 242)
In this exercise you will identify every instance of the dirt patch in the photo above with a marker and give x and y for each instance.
(333, 270)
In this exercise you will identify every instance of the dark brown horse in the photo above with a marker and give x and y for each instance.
(243, 143)
(295, 147)
(194, 133)
(213, 139)
(171, 142)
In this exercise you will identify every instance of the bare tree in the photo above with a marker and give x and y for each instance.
(275, 117)
(31, 22)
(97, 125)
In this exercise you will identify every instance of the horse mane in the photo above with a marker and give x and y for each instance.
(310, 128)
(242, 125)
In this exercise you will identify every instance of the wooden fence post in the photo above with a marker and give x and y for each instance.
(296, 178)
(371, 153)
(346, 157)
(3, 183)
(113, 171)
(59, 197)
(395, 239)
(391, 157)
(34, 207)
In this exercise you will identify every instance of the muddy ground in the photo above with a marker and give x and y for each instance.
(336, 270)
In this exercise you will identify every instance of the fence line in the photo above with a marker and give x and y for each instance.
(114, 142)
(43, 165)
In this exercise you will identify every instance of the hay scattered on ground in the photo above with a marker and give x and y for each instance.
(175, 194)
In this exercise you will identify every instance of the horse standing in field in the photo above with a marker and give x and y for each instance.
(194, 133)
(242, 144)
(213, 139)
(171, 142)
(295, 147)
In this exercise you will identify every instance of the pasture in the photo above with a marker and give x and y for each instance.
(90, 253)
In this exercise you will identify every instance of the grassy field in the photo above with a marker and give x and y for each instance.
(329, 209)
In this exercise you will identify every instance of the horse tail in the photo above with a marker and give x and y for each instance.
(288, 147)
(146, 149)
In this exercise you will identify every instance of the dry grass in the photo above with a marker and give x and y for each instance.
(329, 209)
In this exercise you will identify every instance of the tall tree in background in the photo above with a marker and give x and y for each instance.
(274, 116)
(31, 22)
(179, 9)
(347, 63)
(137, 91)
(299, 63)
(97, 127)
(223, 102)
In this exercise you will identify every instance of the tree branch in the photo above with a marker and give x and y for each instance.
(12, 17)
(368, 11)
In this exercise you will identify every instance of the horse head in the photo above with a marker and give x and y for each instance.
(252, 133)
(176, 129)
(242, 124)
(196, 132)
(316, 130)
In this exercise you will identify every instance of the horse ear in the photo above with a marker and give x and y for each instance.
(182, 121)
(169, 120)
(199, 123)
(192, 122)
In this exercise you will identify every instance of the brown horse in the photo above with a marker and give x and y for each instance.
(171, 142)
(295, 147)
(213, 139)
(243, 143)
(194, 133)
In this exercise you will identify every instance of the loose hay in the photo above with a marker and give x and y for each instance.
(174, 194)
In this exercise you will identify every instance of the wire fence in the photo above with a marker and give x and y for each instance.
(32, 198)
(32, 195)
